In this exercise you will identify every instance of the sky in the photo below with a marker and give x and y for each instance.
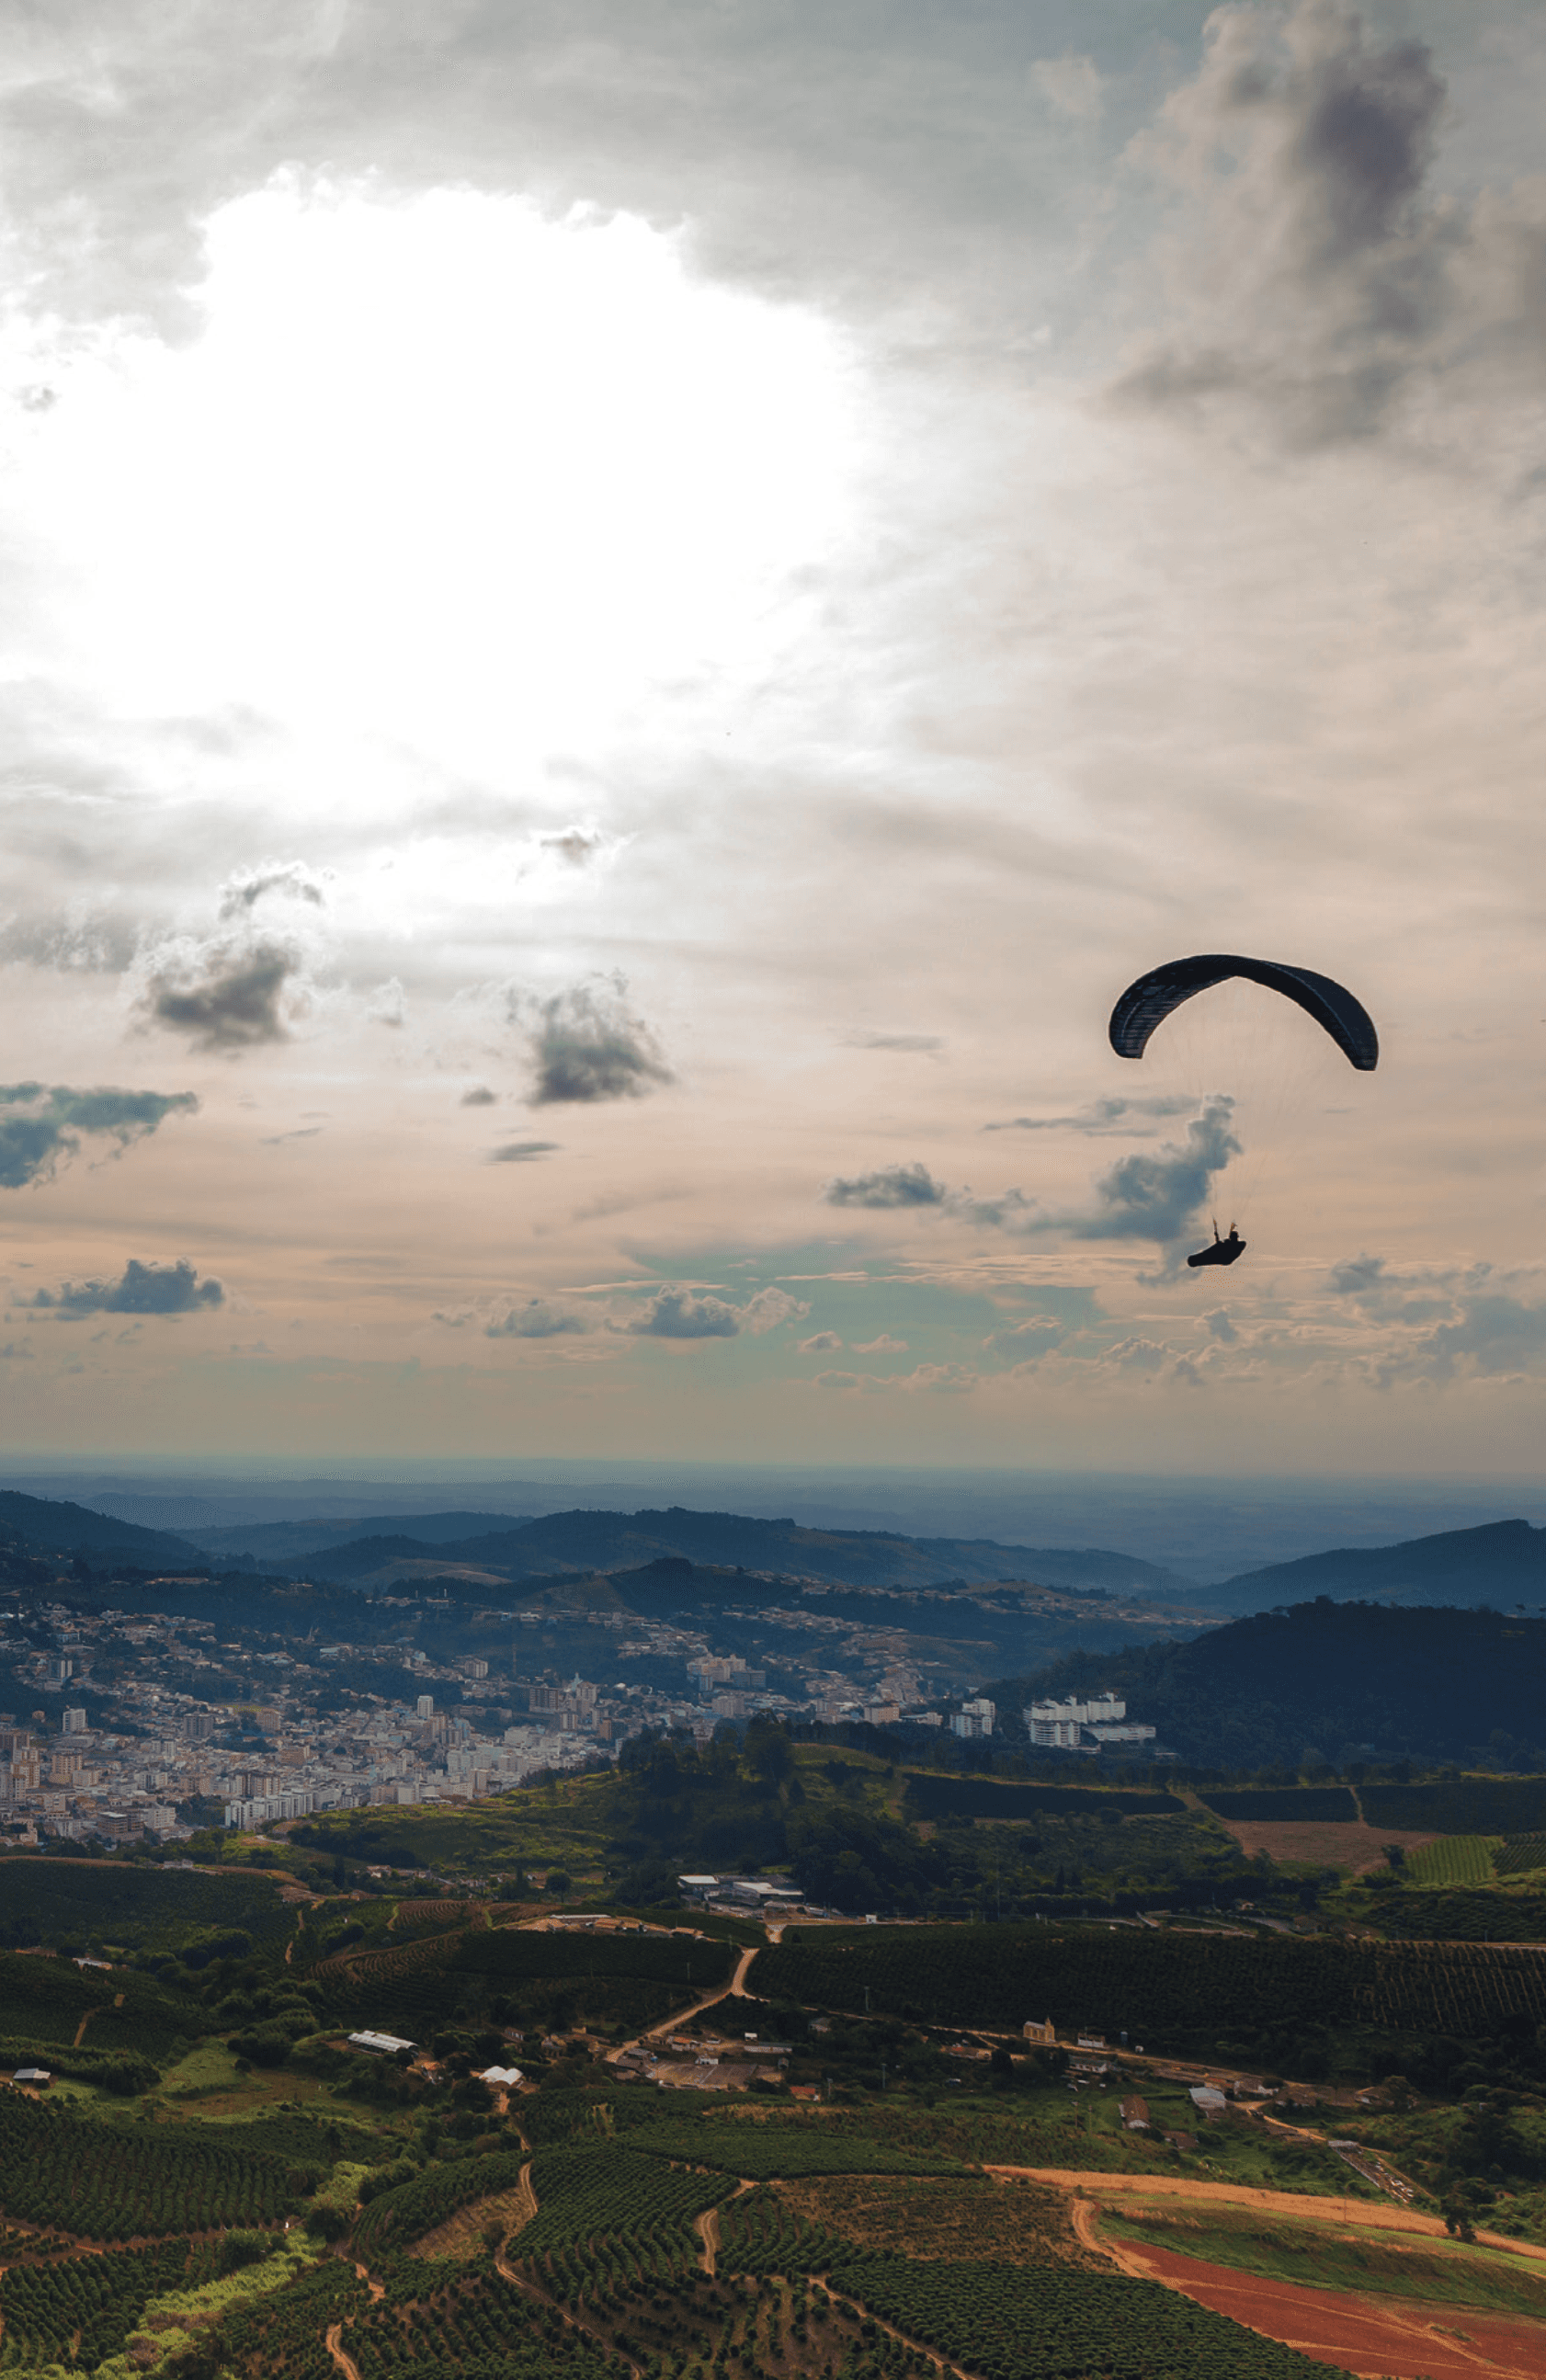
(621, 623)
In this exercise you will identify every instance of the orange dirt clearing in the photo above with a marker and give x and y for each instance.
(1349, 1845)
(1385, 2338)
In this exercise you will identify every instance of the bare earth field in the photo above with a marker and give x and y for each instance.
(1369, 2336)
(1352, 1846)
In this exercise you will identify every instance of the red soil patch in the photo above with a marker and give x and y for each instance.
(1376, 2336)
(1351, 1846)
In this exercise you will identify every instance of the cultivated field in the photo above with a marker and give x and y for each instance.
(1349, 1846)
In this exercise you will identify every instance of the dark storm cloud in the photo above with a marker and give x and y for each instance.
(589, 1046)
(143, 1289)
(535, 1320)
(893, 1186)
(225, 996)
(42, 1126)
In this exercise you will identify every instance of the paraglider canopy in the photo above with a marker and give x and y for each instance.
(1146, 1003)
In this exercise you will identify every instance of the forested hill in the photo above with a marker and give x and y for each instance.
(1350, 1681)
(1504, 1563)
(38, 1523)
(565, 1543)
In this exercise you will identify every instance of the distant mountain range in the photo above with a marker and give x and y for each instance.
(1503, 1564)
(564, 1543)
(37, 1524)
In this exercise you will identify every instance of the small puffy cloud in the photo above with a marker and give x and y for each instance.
(523, 1152)
(480, 1096)
(881, 1346)
(285, 880)
(142, 1289)
(1137, 1355)
(1217, 1324)
(589, 1046)
(230, 993)
(893, 1186)
(860, 1384)
(1379, 1294)
(42, 1126)
(1029, 1341)
(1074, 86)
(577, 847)
(1101, 1117)
(765, 1310)
(535, 1320)
(823, 1342)
(683, 1313)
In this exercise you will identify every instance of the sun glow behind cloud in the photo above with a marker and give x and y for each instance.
(439, 478)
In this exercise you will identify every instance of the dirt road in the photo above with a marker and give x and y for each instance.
(1268, 2202)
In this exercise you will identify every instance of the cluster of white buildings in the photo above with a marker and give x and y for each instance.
(1083, 1725)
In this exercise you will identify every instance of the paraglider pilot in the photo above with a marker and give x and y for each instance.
(1223, 1252)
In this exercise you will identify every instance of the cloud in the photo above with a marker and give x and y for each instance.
(228, 994)
(1159, 1198)
(288, 879)
(589, 1046)
(1217, 1324)
(1102, 1116)
(1492, 1334)
(537, 1320)
(680, 1314)
(1412, 1298)
(577, 845)
(768, 1308)
(480, 1096)
(893, 1186)
(1031, 1339)
(523, 1152)
(922, 1043)
(388, 1004)
(1073, 86)
(143, 1289)
(930, 1379)
(1312, 280)
(42, 1126)
(823, 1343)
(675, 1312)
(881, 1346)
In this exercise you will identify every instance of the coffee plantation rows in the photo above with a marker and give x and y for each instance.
(1009, 2322)
(43, 2001)
(759, 2233)
(1454, 1859)
(1518, 1853)
(622, 1981)
(1471, 1917)
(283, 2337)
(765, 2152)
(1164, 1988)
(478, 2327)
(604, 2208)
(982, 1797)
(83, 2309)
(402, 2216)
(140, 1909)
(1323, 1804)
(107, 2181)
(1469, 1805)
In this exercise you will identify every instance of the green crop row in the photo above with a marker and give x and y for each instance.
(108, 2181)
(399, 2216)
